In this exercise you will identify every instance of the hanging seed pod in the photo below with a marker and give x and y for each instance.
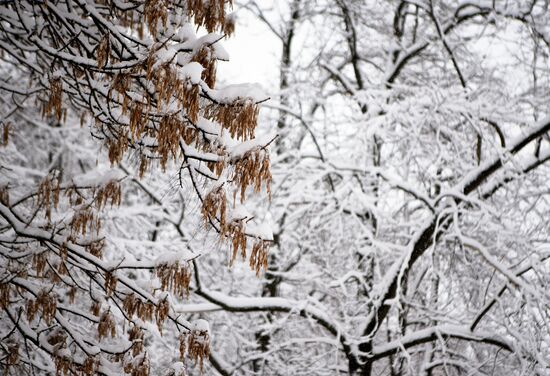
(136, 335)
(106, 325)
(155, 11)
(199, 342)
(109, 193)
(235, 232)
(229, 25)
(182, 345)
(5, 134)
(53, 106)
(252, 169)
(110, 283)
(4, 195)
(205, 58)
(175, 277)
(240, 118)
(258, 256)
(62, 366)
(161, 313)
(90, 366)
(214, 206)
(103, 51)
(4, 295)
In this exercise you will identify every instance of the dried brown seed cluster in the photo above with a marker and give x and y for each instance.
(46, 303)
(235, 232)
(229, 26)
(62, 366)
(133, 305)
(138, 366)
(96, 248)
(53, 106)
(95, 308)
(71, 293)
(4, 196)
(117, 146)
(258, 256)
(109, 193)
(253, 169)
(182, 345)
(63, 249)
(171, 130)
(90, 366)
(39, 263)
(75, 196)
(57, 338)
(214, 206)
(110, 283)
(48, 195)
(5, 134)
(204, 57)
(85, 221)
(208, 13)
(155, 11)
(217, 167)
(120, 84)
(4, 295)
(128, 19)
(12, 357)
(199, 346)
(240, 118)
(161, 313)
(103, 51)
(106, 325)
(144, 163)
(168, 85)
(190, 101)
(135, 335)
(175, 277)
(145, 311)
(55, 272)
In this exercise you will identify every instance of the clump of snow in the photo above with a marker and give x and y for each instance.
(186, 33)
(208, 39)
(176, 369)
(262, 230)
(191, 71)
(163, 295)
(64, 353)
(163, 56)
(218, 52)
(209, 126)
(240, 212)
(98, 177)
(240, 149)
(201, 325)
(170, 258)
(255, 92)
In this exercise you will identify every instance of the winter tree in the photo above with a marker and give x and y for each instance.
(410, 194)
(409, 201)
(112, 127)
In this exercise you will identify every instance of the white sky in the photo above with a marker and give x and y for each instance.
(253, 52)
